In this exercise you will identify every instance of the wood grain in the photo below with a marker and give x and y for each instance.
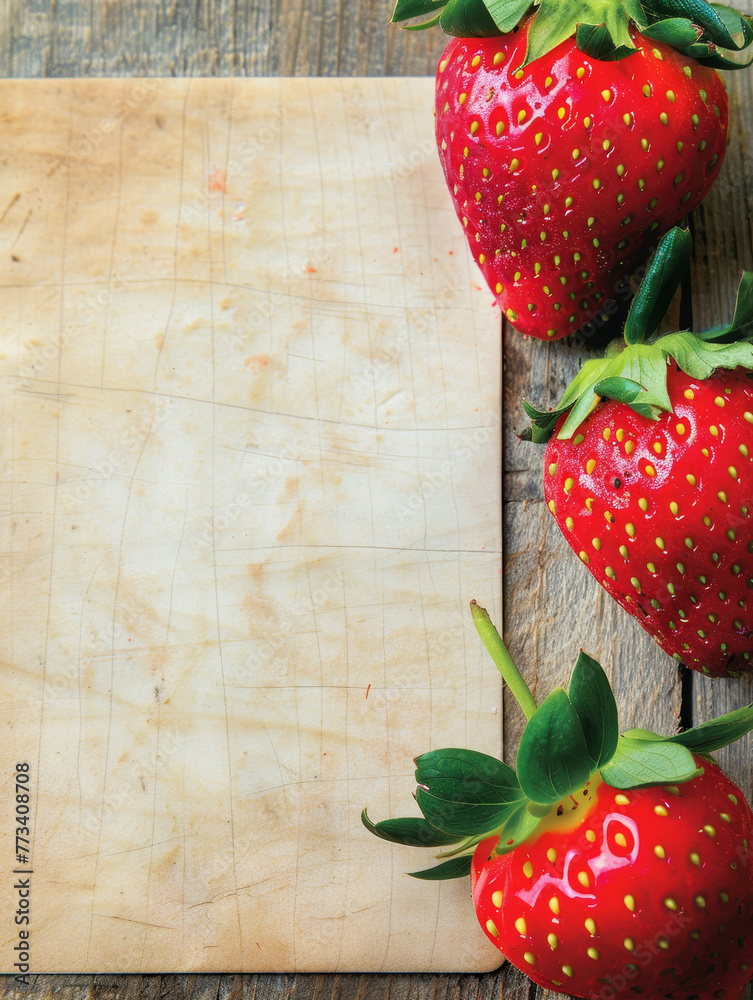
(298, 37)
(210, 38)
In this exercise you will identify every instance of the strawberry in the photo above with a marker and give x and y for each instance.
(603, 863)
(628, 888)
(570, 146)
(649, 474)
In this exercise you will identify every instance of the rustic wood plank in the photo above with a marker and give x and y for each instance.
(506, 983)
(538, 372)
(553, 607)
(210, 38)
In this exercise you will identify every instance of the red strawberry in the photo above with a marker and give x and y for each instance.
(565, 177)
(565, 168)
(630, 888)
(604, 864)
(650, 478)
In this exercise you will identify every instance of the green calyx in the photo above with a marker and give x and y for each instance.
(570, 744)
(635, 371)
(602, 28)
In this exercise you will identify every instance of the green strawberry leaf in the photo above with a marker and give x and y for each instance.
(462, 846)
(542, 423)
(518, 828)
(580, 397)
(714, 58)
(714, 19)
(638, 763)
(467, 19)
(717, 733)
(410, 831)
(463, 764)
(602, 26)
(508, 14)
(406, 10)
(621, 389)
(548, 29)
(553, 757)
(443, 806)
(454, 868)
(660, 282)
(431, 23)
(742, 320)
(639, 364)
(737, 23)
(676, 31)
(595, 40)
(699, 358)
(465, 793)
(647, 367)
(591, 696)
(643, 734)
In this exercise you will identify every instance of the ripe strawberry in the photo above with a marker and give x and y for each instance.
(604, 864)
(638, 888)
(650, 477)
(564, 177)
(565, 168)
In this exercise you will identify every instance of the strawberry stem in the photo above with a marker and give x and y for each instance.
(498, 652)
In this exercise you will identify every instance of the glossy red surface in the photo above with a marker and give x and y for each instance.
(660, 513)
(647, 892)
(565, 174)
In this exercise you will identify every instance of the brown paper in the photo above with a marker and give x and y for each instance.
(250, 390)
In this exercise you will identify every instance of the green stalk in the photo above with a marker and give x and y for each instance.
(498, 652)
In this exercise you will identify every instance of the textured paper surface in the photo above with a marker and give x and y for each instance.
(250, 393)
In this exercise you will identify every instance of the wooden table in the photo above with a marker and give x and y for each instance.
(550, 607)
